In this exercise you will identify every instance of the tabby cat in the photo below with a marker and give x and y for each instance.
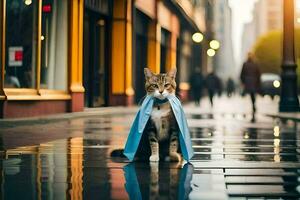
(160, 137)
(162, 129)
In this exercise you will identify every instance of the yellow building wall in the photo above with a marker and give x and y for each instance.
(118, 57)
(121, 69)
(148, 7)
(154, 47)
(76, 46)
(170, 22)
(175, 28)
(122, 48)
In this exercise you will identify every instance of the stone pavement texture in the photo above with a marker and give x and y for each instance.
(68, 156)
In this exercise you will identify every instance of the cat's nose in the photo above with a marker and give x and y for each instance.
(161, 91)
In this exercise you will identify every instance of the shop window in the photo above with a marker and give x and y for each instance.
(21, 25)
(54, 38)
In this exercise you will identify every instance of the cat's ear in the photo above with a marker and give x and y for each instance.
(148, 73)
(172, 73)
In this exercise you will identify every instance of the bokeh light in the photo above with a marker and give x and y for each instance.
(211, 52)
(28, 2)
(214, 44)
(197, 37)
(276, 84)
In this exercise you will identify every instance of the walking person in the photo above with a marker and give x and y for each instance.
(213, 85)
(250, 77)
(230, 87)
(197, 82)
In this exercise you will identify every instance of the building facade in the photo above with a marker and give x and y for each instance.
(223, 61)
(248, 38)
(63, 55)
(267, 16)
(41, 52)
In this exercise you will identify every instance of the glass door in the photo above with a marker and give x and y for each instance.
(95, 60)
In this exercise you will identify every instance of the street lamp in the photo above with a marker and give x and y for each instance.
(197, 37)
(288, 98)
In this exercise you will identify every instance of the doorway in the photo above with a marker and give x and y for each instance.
(141, 45)
(164, 49)
(95, 59)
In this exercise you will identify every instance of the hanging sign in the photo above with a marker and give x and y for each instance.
(15, 56)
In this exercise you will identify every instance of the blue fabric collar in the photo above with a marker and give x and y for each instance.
(158, 101)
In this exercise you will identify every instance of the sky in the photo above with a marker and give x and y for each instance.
(241, 14)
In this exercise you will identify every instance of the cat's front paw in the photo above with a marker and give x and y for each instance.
(154, 158)
(175, 157)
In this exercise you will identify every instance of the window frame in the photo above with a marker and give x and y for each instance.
(35, 93)
(2, 46)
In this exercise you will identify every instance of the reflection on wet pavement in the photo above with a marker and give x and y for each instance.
(70, 159)
(158, 181)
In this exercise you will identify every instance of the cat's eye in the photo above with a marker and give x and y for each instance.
(154, 85)
(167, 84)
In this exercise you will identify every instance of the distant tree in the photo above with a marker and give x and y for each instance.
(268, 52)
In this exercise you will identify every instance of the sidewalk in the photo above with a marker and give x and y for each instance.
(234, 158)
(234, 105)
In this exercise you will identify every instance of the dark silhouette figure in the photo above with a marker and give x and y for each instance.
(230, 87)
(196, 82)
(250, 77)
(213, 85)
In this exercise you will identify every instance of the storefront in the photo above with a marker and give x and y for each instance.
(189, 55)
(40, 56)
(61, 56)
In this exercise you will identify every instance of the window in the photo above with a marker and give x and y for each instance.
(21, 25)
(54, 38)
(21, 44)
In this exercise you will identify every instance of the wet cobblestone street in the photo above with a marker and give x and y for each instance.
(69, 157)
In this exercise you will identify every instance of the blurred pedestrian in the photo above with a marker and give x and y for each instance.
(213, 85)
(250, 77)
(230, 87)
(196, 83)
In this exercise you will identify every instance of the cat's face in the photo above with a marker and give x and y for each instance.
(160, 85)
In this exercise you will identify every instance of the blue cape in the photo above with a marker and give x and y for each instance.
(141, 120)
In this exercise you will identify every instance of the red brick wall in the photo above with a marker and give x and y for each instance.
(117, 100)
(77, 102)
(14, 109)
